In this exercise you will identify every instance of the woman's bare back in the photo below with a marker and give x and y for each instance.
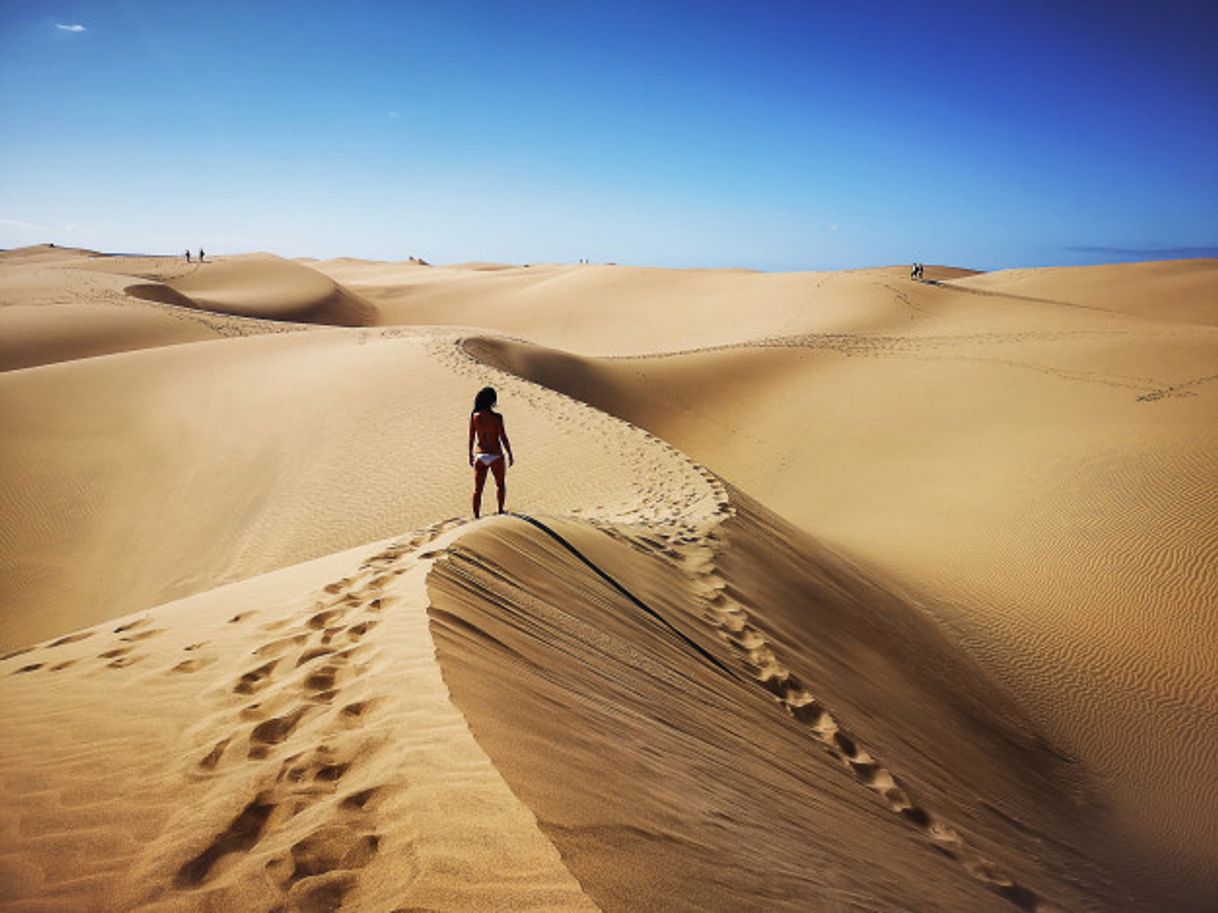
(489, 428)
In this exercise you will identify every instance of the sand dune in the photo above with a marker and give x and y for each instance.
(614, 310)
(59, 304)
(694, 736)
(43, 253)
(261, 285)
(927, 625)
(1051, 499)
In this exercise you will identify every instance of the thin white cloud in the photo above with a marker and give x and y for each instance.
(17, 223)
(71, 27)
(393, 115)
(834, 227)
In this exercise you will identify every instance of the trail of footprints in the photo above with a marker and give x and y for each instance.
(299, 680)
(732, 623)
(120, 656)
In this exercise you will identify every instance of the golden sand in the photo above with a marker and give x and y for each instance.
(828, 591)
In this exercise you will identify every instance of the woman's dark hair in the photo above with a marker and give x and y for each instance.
(485, 399)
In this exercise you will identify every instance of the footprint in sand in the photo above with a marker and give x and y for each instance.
(323, 619)
(71, 639)
(242, 833)
(142, 635)
(355, 714)
(255, 679)
(212, 758)
(282, 645)
(272, 732)
(312, 654)
(364, 800)
(357, 631)
(331, 848)
(324, 681)
(193, 665)
(123, 662)
(329, 634)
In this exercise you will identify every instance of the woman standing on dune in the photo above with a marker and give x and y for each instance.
(486, 425)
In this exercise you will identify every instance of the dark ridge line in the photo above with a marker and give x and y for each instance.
(557, 537)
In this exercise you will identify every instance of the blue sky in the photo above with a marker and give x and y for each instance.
(766, 135)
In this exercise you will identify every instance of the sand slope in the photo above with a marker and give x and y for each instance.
(1176, 290)
(301, 751)
(709, 751)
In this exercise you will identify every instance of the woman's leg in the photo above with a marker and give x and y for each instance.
(479, 481)
(499, 468)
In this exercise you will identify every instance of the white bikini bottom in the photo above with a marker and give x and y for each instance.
(487, 458)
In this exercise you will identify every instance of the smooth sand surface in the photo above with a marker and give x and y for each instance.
(929, 624)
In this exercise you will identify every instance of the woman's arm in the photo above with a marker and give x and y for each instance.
(471, 440)
(507, 445)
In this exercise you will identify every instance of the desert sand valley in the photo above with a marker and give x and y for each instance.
(822, 591)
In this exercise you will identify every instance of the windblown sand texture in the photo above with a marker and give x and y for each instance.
(821, 591)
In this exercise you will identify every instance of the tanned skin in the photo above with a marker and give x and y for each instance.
(487, 428)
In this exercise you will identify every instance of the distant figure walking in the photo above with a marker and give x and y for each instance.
(486, 426)
(188, 255)
(913, 271)
(919, 272)
(200, 255)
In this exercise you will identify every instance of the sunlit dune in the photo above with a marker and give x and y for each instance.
(264, 286)
(819, 591)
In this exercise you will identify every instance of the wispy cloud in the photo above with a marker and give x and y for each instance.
(17, 223)
(70, 27)
(393, 115)
(1153, 253)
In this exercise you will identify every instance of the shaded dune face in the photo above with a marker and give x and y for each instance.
(265, 287)
(710, 736)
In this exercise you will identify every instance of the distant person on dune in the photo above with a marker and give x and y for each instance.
(200, 255)
(188, 255)
(486, 426)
